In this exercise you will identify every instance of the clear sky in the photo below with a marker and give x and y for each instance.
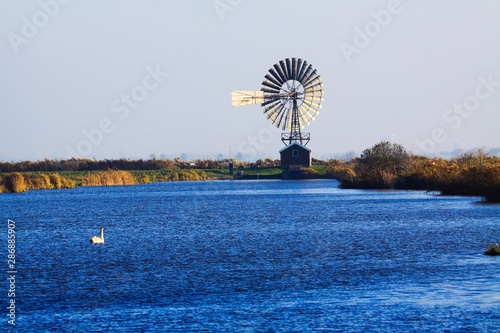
(109, 79)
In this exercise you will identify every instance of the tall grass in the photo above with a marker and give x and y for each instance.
(473, 174)
(108, 178)
(14, 182)
(21, 182)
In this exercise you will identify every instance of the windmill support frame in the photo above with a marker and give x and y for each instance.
(302, 137)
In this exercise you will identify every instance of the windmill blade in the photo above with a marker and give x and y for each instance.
(301, 117)
(311, 97)
(270, 92)
(280, 73)
(310, 113)
(270, 99)
(313, 81)
(303, 121)
(294, 68)
(312, 105)
(314, 87)
(301, 67)
(271, 85)
(312, 78)
(273, 80)
(276, 102)
(282, 113)
(313, 93)
(279, 112)
(274, 114)
(289, 68)
(314, 98)
(276, 76)
(246, 97)
(273, 121)
(284, 121)
(309, 77)
(283, 69)
(313, 101)
(288, 120)
(306, 72)
(272, 106)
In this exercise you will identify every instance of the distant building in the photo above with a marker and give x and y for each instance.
(295, 156)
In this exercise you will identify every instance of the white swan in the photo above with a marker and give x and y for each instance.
(98, 240)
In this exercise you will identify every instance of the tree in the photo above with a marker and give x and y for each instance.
(385, 156)
(380, 165)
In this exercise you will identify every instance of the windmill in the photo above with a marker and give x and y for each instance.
(291, 96)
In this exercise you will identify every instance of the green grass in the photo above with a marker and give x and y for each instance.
(259, 171)
(320, 169)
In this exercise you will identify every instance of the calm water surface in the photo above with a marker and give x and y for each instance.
(252, 256)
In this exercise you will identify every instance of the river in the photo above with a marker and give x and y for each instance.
(252, 256)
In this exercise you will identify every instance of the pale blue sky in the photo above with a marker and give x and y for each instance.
(89, 78)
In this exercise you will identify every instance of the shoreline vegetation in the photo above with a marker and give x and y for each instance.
(384, 166)
(390, 166)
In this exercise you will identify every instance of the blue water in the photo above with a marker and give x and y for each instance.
(252, 256)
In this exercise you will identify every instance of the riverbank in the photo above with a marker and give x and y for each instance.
(383, 166)
(17, 182)
(390, 166)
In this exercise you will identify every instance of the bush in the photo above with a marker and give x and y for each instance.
(55, 181)
(493, 250)
(14, 182)
(387, 165)
(379, 166)
(309, 173)
(109, 178)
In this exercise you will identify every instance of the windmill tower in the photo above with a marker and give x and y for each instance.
(291, 96)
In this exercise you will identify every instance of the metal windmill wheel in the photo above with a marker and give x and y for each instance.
(291, 95)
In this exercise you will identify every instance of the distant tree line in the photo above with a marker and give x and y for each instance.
(82, 164)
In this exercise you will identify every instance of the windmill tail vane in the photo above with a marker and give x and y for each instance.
(291, 96)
